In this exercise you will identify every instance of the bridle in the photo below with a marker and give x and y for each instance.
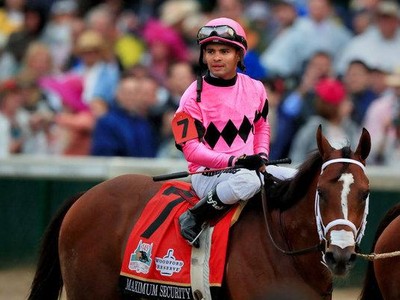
(321, 228)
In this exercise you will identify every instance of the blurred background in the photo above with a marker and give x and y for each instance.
(88, 90)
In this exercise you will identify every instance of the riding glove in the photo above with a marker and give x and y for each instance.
(251, 162)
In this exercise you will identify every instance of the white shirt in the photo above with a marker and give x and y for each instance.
(373, 49)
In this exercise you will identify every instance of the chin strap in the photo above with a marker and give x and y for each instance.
(199, 87)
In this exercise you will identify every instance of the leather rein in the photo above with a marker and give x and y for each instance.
(318, 247)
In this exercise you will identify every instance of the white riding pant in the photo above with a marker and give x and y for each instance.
(233, 185)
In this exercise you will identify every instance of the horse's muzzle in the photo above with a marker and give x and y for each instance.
(340, 261)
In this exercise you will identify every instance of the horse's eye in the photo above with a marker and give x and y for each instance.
(365, 195)
(320, 193)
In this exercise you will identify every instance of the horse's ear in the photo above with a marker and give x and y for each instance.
(323, 145)
(364, 145)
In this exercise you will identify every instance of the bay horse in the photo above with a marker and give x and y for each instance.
(382, 280)
(306, 232)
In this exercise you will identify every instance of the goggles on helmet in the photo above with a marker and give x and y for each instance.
(223, 31)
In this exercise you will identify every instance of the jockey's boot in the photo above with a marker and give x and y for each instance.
(207, 209)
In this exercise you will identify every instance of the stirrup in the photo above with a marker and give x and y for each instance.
(195, 242)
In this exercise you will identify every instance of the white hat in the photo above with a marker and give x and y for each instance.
(174, 11)
(388, 8)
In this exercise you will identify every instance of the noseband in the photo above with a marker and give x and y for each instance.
(323, 230)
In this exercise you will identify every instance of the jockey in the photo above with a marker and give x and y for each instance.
(222, 122)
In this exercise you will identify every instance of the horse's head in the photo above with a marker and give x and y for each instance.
(341, 204)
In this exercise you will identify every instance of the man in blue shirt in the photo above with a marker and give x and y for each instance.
(126, 130)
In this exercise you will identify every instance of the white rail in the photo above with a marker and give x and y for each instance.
(101, 168)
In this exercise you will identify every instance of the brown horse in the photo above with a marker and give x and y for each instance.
(382, 280)
(326, 204)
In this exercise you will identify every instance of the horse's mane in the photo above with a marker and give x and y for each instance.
(284, 194)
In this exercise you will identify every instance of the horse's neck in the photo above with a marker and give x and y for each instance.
(254, 250)
(299, 231)
(301, 218)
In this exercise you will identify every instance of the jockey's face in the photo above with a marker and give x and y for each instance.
(221, 60)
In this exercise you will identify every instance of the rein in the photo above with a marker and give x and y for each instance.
(318, 247)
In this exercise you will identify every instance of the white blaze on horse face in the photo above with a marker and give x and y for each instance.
(347, 179)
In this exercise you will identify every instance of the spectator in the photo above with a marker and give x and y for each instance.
(275, 88)
(11, 18)
(378, 81)
(39, 117)
(330, 97)
(383, 123)
(58, 31)
(125, 130)
(319, 31)
(18, 41)
(100, 77)
(278, 58)
(13, 125)
(180, 76)
(360, 21)
(370, 5)
(74, 123)
(102, 20)
(145, 10)
(165, 45)
(357, 80)
(174, 12)
(299, 105)
(323, 23)
(184, 17)
(261, 19)
(37, 62)
(77, 27)
(232, 9)
(129, 47)
(379, 45)
(37, 106)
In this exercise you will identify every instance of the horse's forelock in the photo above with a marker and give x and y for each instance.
(346, 152)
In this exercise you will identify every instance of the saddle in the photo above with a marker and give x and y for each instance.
(159, 263)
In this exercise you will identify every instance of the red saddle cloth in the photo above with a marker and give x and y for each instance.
(157, 260)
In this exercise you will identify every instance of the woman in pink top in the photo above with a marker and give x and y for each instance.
(222, 122)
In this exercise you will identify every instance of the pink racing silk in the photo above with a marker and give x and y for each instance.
(234, 118)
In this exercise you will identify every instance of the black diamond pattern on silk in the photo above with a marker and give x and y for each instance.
(263, 113)
(228, 133)
(245, 129)
(212, 135)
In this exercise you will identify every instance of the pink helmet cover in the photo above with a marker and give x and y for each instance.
(231, 23)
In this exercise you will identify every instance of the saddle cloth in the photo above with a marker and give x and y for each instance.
(157, 260)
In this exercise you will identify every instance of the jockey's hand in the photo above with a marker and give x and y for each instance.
(251, 162)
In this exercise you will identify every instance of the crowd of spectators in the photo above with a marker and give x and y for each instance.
(105, 77)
